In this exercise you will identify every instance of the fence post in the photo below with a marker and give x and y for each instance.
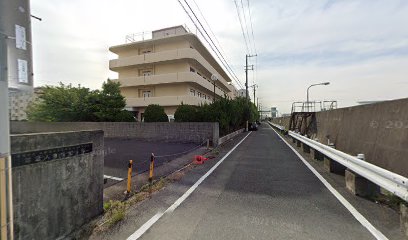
(129, 180)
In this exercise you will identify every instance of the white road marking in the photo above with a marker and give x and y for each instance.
(375, 232)
(155, 218)
(113, 178)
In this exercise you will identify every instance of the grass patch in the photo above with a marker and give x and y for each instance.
(390, 200)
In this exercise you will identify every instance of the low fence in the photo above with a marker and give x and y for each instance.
(57, 182)
(195, 132)
(394, 183)
(230, 136)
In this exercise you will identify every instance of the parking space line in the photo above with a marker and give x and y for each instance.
(113, 178)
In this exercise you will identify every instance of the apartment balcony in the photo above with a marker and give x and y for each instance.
(180, 77)
(170, 55)
(165, 101)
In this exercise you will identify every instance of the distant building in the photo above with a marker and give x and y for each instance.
(274, 112)
(242, 93)
(171, 68)
(19, 101)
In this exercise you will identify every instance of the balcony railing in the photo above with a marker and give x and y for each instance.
(180, 77)
(148, 58)
(165, 101)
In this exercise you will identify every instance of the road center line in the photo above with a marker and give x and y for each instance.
(357, 215)
(155, 218)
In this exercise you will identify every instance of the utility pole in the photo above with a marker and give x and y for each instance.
(246, 82)
(247, 68)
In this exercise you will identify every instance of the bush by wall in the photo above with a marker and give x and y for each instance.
(155, 113)
(230, 114)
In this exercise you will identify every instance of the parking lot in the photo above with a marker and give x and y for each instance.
(118, 152)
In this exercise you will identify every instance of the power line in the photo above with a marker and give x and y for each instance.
(242, 28)
(216, 39)
(246, 26)
(211, 41)
(252, 27)
(218, 53)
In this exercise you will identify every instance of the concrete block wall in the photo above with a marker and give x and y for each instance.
(53, 197)
(379, 130)
(195, 132)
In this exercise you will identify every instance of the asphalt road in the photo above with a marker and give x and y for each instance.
(118, 152)
(261, 191)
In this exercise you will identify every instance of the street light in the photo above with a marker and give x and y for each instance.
(316, 84)
(214, 78)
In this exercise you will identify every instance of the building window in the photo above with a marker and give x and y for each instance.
(192, 69)
(147, 93)
(199, 94)
(199, 73)
(145, 50)
(192, 92)
(146, 72)
(204, 96)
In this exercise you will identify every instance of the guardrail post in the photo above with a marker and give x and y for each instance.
(306, 148)
(293, 140)
(333, 166)
(129, 179)
(298, 143)
(359, 185)
(317, 155)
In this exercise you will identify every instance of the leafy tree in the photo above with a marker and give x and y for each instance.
(186, 113)
(155, 113)
(65, 103)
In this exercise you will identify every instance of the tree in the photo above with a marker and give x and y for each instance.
(155, 113)
(186, 113)
(65, 103)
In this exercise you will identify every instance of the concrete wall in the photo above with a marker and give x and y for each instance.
(380, 131)
(170, 132)
(54, 195)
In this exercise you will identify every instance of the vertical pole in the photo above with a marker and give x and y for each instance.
(214, 91)
(246, 76)
(246, 89)
(151, 169)
(254, 93)
(129, 179)
(6, 204)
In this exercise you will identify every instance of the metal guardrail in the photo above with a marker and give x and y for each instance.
(392, 182)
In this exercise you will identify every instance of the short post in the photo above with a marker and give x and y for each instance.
(129, 179)
(331, 165)
(306, 148)
(151, 169)
(208, 144)
(359, 185)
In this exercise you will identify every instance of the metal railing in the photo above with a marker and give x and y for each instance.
(392, 182)
(313, 106)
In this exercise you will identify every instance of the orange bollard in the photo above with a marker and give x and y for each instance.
(129, 180)
(151, 168)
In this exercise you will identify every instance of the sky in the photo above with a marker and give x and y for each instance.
(359, 46)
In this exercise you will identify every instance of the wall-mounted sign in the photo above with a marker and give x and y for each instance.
(20, 37)
(22, 71)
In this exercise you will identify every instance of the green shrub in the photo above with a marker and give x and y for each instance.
(155, 113)
(186, 113)
(230, 114)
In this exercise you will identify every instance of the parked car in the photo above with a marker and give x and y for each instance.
(253, 127)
